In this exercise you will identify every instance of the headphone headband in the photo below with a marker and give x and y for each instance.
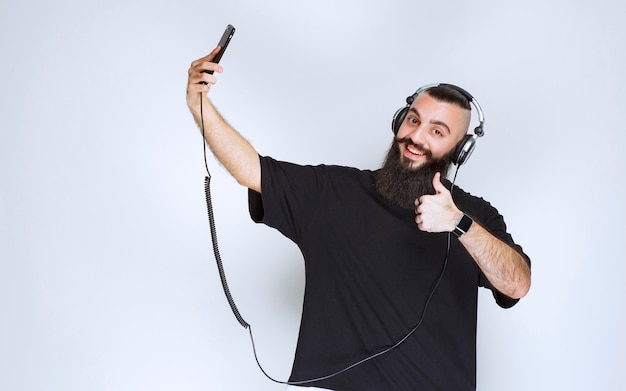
(479, 111)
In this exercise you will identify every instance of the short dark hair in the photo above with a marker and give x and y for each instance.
(449, 94)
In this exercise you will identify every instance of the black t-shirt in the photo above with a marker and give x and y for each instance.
(369, 272)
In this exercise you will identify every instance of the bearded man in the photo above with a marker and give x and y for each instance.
(390, 300)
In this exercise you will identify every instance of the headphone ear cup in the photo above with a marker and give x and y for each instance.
(398, 119)
(464, 149)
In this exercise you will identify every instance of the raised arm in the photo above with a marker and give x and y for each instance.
(233, 151)
(505, 268)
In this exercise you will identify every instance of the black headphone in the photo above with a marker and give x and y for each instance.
(466, 146)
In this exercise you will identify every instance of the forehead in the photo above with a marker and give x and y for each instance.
(429, 109)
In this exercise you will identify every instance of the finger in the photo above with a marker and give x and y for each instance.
(215, 51)
(202, 64)
(207, 67)
(206, 58)
(419, 222)
(209, 57)
(439, 187)
(202, 72)
(202, 78)
(194, 89)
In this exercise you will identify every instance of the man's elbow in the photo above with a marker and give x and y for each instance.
(250, 184)
(521, 288)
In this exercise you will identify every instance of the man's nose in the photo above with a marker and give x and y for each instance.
(417, 135)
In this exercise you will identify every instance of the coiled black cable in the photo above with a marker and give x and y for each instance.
(216, 250)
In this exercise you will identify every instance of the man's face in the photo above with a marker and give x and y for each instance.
(430, 130)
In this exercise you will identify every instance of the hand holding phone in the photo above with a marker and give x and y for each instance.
(223, 44)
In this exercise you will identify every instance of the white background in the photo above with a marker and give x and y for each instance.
(107, 279)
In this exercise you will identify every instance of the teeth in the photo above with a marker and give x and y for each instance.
(414, 150)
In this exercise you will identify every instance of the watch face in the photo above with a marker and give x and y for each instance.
(464, 225)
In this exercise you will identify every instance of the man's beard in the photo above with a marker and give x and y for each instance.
(401, 184)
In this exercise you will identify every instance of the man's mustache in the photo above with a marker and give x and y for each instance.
(419, 147)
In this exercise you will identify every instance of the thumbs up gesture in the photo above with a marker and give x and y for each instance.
(437, 213)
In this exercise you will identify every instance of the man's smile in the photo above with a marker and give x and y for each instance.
(415, 150)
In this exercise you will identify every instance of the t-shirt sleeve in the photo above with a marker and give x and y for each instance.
(493, 221)
(289, 197)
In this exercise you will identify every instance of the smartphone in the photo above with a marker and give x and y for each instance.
(223, 43)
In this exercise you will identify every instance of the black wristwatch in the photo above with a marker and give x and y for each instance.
(464, 224)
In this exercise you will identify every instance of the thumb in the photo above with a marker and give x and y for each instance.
(439, 187)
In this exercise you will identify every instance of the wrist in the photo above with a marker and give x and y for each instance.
(463, 225)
